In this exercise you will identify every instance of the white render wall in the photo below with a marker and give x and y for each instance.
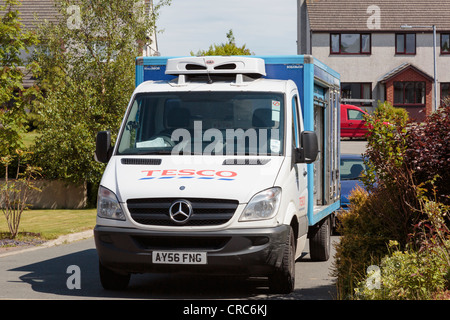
(370, 68)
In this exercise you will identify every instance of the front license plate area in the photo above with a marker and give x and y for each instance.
(179, 257)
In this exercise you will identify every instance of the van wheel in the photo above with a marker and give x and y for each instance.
(320, 241)
(283, 279)
(112, 280)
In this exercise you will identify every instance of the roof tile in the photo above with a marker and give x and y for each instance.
(353, 15)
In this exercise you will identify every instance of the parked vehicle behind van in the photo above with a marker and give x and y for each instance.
(352, 167)
(353, 124)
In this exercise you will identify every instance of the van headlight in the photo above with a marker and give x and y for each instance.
(262, 206)
(108, 206)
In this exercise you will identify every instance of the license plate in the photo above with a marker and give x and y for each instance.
(183, 257)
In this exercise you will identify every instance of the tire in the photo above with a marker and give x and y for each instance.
(320, 241)
(111, 280)
(283, 279)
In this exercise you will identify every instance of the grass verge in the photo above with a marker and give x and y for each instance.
(50, 224)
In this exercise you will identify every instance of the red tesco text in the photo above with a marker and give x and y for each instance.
(190, 172)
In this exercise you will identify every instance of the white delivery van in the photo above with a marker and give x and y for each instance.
(223, 165)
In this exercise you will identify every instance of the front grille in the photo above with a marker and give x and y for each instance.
(141, 161)
(205, 212)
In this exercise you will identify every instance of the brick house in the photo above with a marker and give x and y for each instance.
(383, 49)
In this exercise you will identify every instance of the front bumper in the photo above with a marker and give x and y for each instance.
(249, 252)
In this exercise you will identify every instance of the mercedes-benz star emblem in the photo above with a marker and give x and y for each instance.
(180, 211)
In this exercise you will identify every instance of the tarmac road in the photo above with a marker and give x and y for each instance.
(50, 273)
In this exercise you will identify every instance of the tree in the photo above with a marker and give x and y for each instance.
(86, 74)
(13, 97)
(225, 49)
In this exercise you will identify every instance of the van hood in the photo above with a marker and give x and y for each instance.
(217, 177)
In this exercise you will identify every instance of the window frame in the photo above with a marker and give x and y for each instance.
(441, 85)
(361, 92)
(404, 84)
(404, 34)
(361, 34)
(448, 35)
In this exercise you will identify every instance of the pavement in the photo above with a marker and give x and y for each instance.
(8, 251)
(353, 146)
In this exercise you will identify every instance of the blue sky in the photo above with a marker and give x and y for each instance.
(265, 27)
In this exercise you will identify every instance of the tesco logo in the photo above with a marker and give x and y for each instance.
(189, 173)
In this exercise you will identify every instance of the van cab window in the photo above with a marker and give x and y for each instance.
(207, 123)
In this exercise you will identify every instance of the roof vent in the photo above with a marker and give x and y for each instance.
(191, 66)
(226, 66)
(216, 65)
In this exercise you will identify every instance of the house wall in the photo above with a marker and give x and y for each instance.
(370, 68)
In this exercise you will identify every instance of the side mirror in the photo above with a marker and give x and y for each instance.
(309, 149)
(103, 148)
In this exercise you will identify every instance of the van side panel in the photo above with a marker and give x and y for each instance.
(319, 94)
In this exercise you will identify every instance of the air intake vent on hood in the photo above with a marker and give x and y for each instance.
(245, 162)
(141, 161)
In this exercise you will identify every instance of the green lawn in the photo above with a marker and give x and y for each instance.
(29, 137)
(51, 224)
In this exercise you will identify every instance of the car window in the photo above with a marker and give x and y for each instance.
(351, 169)
(355, 115)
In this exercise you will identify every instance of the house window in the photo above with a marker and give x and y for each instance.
(445, 43)
(350, 43)
(409, 93)
(445, 90)
(356, 93)
(405, 43)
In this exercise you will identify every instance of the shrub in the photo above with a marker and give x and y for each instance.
(386, 145)
(408, 275)
(14, 192)
(407, 203)
(428, 153)
(370, 223)
(362, 243)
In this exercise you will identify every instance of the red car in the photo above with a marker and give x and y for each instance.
(353, 124)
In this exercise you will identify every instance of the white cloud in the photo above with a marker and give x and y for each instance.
(266, 27)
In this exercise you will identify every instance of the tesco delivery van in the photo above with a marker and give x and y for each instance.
(222, 165)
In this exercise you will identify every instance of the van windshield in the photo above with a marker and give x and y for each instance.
(204, 123)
